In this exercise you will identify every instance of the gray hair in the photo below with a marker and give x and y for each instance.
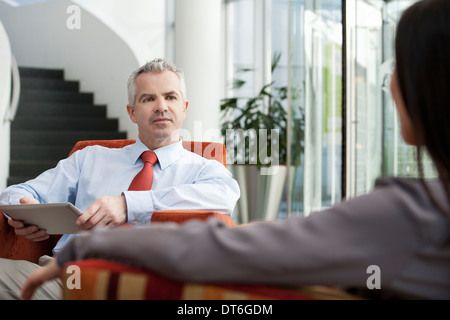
(157, 65)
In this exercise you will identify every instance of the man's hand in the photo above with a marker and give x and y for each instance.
(106, 211)
(32, 233)
(48, 272)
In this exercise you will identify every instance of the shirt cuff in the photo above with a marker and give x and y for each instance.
(139, 206)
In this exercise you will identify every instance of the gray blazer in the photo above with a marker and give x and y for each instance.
(390, 242)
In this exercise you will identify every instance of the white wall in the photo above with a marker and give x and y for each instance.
(140, 23)
(118, 36)
(94, 54)
(5, 91)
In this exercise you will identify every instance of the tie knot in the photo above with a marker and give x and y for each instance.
(149, 156)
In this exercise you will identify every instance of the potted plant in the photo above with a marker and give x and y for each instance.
(255, 130)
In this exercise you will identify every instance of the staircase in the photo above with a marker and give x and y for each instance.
(52, 116)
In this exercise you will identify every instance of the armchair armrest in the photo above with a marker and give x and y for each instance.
(107, 280)
(19, 248)
(180, 216)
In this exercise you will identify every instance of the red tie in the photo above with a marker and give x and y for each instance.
(144, 179)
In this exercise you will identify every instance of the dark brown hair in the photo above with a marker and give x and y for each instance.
(422, 47)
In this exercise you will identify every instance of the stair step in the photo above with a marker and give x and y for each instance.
(52, 116)
(30, 168)
(31, 95)
(64, 123)
(48, 84)
(32, 72)
(35, 138)
(59, 109)
(40, 152)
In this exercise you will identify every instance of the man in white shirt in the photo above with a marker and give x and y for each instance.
(96, 179)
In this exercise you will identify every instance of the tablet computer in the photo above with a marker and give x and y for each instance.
(55, 218)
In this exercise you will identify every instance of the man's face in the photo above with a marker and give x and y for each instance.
(159, 109)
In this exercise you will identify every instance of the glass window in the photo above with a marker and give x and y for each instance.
(316, 79)
(307, 34)
(334, 152)
(398, 158)
(243, 50)
(364, 122)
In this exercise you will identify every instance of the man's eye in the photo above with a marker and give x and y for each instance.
(171, 97)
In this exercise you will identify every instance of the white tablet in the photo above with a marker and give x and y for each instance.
(55, 218)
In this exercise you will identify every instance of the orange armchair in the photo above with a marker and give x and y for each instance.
(18, 248)
(108, 280)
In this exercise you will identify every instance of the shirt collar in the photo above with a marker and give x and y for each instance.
(166, 155)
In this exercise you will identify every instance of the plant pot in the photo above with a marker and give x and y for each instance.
(261, 195)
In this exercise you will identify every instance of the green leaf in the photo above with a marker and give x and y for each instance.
(242, 70)
(237, 83)
(275, 60)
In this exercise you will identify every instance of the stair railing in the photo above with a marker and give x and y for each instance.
(15, 91)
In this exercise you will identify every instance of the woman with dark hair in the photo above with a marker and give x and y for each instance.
(421, 85)
(391, 243)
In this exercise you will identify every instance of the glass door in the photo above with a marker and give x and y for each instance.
(336, 151)
(307, 36)
(364, 100)
(316, 104)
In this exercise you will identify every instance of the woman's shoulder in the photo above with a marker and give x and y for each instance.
(409, 197)
(413, 189)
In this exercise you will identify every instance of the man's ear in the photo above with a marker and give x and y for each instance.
(130, 111)
(186, 107)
